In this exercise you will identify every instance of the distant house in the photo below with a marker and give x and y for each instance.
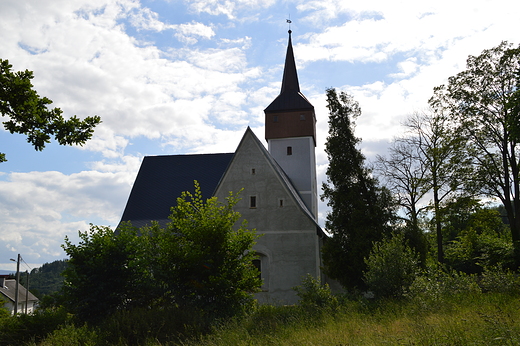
(279, 197)
(25, 298)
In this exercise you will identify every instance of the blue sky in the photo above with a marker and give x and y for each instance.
(175, 77)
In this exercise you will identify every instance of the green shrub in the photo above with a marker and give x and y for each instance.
(392, 266)
(315, 295)
(71, 335)
(435, 285)
(17, 330)
(499, 280)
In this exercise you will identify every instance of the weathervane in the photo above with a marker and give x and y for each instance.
(289, 22)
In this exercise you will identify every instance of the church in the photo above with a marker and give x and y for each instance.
(279, 197)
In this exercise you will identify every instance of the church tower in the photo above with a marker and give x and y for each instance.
(290, 131)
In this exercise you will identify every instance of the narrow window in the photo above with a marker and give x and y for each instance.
(275, 118)
(289, 150)
(258, 264)
(253, 171)
(252, 201)
(280, 204)
(302, 116)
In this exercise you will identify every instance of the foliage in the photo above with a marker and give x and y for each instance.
(361, 211)
(473, 251)
(4, 312)
(104, 273)
(17, 330)
(499, 280)
(392, 266)
(28, 113)
(199, 262)
(477, 237)
(484, 103)
(435, 284)
(315, 295)
(455, 317)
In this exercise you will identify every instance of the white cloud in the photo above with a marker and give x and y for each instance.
(228, 8)
(39, 208)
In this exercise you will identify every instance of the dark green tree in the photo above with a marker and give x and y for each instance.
(361, 211)
(201, 262)
(105, 273)
(485, 103)
(392, 266)
(476, 237)
(203, 259)
(28, 113)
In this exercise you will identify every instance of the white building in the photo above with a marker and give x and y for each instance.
(26, 300)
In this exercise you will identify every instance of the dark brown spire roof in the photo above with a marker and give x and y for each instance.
(290, 97)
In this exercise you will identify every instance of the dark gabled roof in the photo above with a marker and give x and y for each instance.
(9, 291)
(162, 179)
(290, 97)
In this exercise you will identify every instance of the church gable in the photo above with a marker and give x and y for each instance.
(267, 190)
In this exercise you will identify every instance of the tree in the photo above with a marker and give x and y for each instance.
(485, 103)
(105, 273)
(361, 211)
(28, 113)
(199, 261)
(439, 152)
(405, 174)
(203, 261)
(477, 238)
(392, 266)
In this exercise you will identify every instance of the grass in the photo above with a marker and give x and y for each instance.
(492, 319)
(458, 319)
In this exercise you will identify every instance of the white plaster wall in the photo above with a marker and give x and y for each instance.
(289, 241)
(300, 167)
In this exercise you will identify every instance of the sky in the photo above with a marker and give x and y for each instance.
(188, 76)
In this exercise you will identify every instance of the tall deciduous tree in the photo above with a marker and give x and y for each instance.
(484, 100)
(28, 113)
(440, 152)
(406, 175)
(360, 210)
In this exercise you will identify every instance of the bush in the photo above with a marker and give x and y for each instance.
(499, 280)
(17, 330)
(434, 285)
(315, 295)
(392, 266)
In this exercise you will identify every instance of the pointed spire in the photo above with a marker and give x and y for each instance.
(290, 96)
(290, 76)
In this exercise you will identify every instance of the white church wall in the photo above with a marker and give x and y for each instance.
(288, 232)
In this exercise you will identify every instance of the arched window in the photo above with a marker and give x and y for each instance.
(262, 264)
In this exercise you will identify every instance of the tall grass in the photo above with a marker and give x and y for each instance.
(441, 309)
(492, 319)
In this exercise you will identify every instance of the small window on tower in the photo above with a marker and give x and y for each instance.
(280, 204)
(253, 171)
(289, 150)
(252, 201)
(275, 118)
(302, 116)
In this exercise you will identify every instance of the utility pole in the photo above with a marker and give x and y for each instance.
(27, 292)
(17, 285)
